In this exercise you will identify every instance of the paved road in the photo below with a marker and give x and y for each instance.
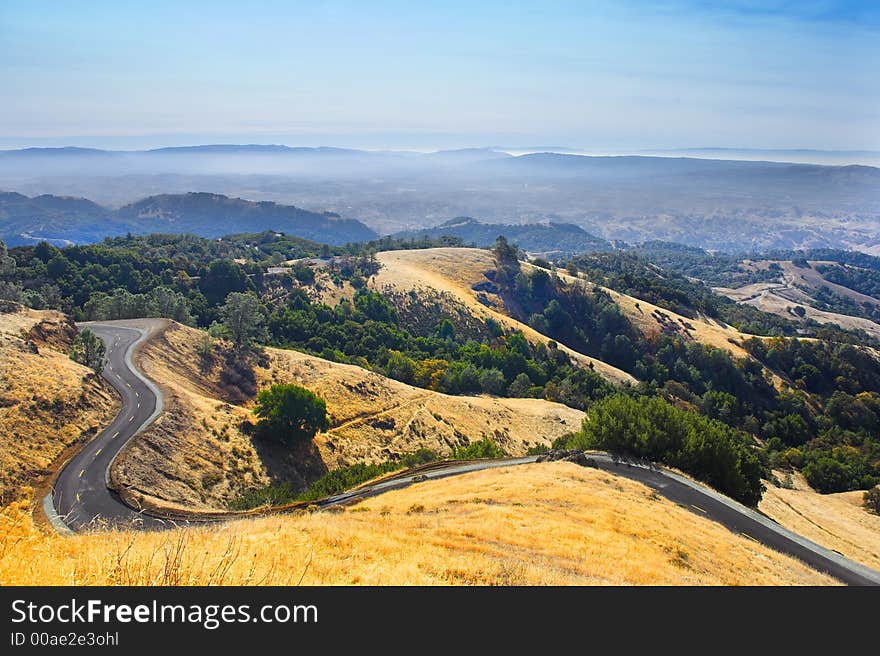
(80, 495)
(83, 501)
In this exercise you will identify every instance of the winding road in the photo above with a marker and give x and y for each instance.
(81, 499)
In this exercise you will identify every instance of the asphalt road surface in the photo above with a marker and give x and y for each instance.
(84, 502)
(80, 495)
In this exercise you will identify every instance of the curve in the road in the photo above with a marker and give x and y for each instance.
(82, 500)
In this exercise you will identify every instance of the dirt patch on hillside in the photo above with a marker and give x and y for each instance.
(48, 402)
(197, 453)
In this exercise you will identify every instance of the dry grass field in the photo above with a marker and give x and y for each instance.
(836, 521)
(547, 524)
(48, 402)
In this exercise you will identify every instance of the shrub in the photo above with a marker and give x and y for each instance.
(290, 413)
(653, 429)
(485, 448)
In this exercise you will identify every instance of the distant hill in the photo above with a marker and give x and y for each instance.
(58, 219)
(64, 220)
(564, 238)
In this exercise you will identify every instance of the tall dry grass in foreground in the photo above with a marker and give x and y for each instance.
(543, 524)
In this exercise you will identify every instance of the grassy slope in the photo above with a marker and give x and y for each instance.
(553, 523)
(455, 271)
(197, 455)
(47, 401)
(777, 297)
(836, 521)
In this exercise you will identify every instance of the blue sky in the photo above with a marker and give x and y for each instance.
(594, 75)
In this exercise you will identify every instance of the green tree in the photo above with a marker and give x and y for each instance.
(653, 429)
(88, 350)
(520, 386)
(7, 264)
(290, 413)
(492, 381)
(243, 318)
(828, 475)
(222, 277)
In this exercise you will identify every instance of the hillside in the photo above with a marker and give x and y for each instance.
(457, 271)
(48, 402)
(215, 215)
(555, 238)
(61, 220)
(488, 528)
(805, 287)
(66, 220)
(196, 453)
(836, 521)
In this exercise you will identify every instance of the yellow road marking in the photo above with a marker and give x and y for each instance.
(81, 472)
(77, 496)
(746, 535)
(698, 508)
(98, 452)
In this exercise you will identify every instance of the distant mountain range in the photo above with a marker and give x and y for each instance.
(64, 220)
(723, 203)
(561, 238)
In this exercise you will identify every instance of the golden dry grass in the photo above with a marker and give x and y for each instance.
(455, 271)
(196, 455)
(47, 401)
(836, 521)
(651, 320)
(778, 297)
(548, 524)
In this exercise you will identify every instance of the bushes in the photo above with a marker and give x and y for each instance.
(655, 430)
(290, 413)
(872, 499)
(839, 469)
(485, 448)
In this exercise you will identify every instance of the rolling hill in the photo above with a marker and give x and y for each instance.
(713, 203)
(555, 238)
(65, 220)
(196, 455)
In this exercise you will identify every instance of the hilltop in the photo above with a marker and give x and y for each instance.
(546, 238)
